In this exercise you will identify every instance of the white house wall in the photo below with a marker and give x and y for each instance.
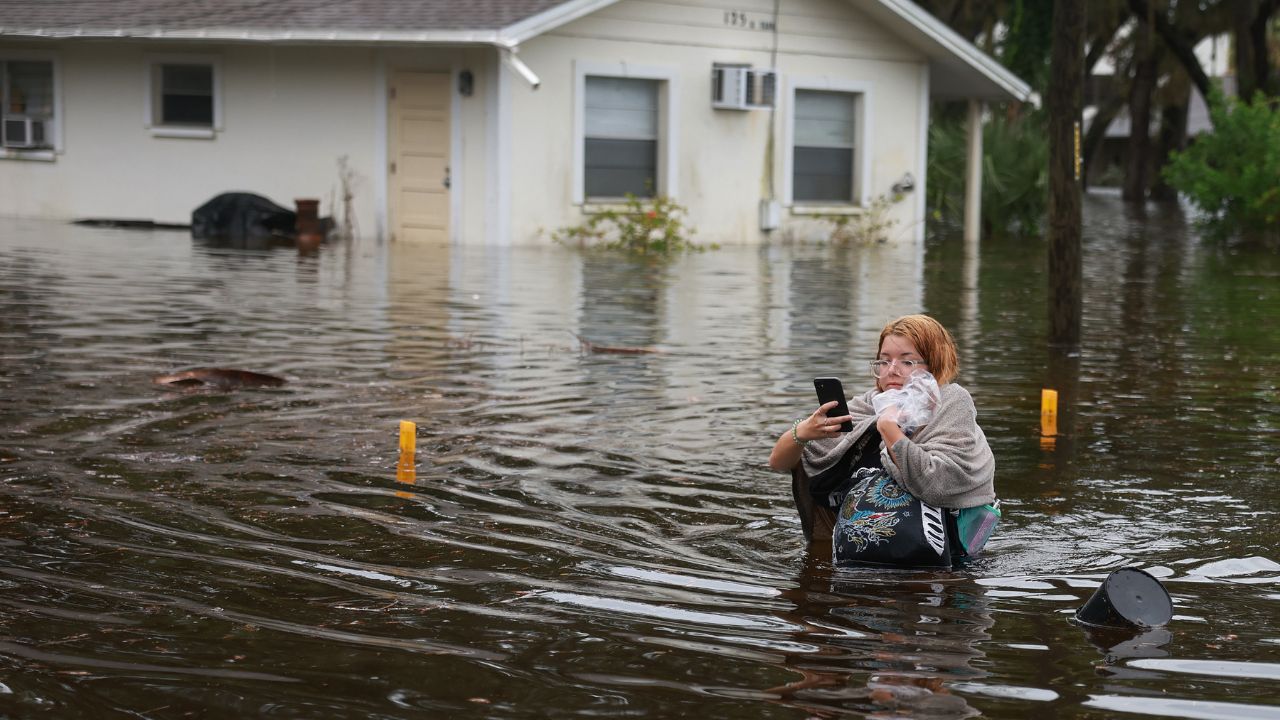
(724, 155)
(287, 114)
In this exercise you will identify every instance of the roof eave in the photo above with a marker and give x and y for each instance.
(551, 19)
(511, 36)
(946, 38)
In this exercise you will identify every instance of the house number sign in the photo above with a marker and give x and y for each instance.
(741, 20)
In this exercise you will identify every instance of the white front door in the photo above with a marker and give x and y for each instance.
(419, 172)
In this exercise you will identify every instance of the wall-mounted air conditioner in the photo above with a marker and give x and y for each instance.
(23, 132)
(739, 87)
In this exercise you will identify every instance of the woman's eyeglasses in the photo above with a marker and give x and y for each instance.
(880, 367)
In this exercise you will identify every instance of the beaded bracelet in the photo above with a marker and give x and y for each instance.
(796, 436)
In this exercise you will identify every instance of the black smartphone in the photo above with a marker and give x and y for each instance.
(830, 389)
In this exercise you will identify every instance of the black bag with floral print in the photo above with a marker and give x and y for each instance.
(881, 524)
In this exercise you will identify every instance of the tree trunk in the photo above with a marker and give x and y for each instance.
(1138, 155)
(1261, 53)
(1242, 14)
(1173, 137)
(1066, 83)
(1097, 134)
(1183, 48)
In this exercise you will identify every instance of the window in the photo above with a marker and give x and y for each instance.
(621, 120)
(625, 135)
(26, 105)
(183, 95)
(824, 160)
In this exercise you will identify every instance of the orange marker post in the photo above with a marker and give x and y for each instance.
(406, 474)
(408, 437)
(406, 471)
(1048, 412)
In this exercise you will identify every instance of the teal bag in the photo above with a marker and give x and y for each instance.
(974, 526)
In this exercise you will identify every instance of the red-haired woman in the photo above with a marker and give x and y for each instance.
(946, 462)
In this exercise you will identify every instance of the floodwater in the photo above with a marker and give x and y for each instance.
(596, 534)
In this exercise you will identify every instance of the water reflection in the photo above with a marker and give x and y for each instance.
(966, 333)
(884, 642)
(1117, 645)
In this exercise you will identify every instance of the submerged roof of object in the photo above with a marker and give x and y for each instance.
(958, 69)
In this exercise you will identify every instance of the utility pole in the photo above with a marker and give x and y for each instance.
(1066, 81)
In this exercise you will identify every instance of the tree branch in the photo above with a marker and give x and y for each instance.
(1181, 48)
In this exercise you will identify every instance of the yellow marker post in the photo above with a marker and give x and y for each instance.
(408, 437)
(1076, 154)
(406, 474)
(1048, 412)
(406, 471)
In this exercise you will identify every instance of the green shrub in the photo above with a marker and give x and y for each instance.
(1015, 172)
(1232, 174)
(868, 227)
(643, 226)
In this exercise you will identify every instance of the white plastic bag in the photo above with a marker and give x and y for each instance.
(914, 402)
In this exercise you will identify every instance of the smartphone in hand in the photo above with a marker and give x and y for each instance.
(829, 389)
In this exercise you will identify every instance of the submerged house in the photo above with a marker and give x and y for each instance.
(491, 122)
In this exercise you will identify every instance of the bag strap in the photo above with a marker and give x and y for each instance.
(803, 500)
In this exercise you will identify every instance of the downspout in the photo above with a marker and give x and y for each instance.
(508, 55)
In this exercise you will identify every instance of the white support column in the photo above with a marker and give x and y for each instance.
(380, 159)
(973, 174)
(498, 150)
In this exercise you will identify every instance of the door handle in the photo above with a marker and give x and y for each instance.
(448, 177)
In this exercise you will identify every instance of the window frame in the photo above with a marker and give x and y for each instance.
(153, 77)
(53, 130)
(668, 79)
(861, 180)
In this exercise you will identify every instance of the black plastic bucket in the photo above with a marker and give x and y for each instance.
(1128, 597)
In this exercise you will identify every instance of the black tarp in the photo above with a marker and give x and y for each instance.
(241, 216)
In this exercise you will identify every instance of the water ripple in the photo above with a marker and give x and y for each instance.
(593, 533)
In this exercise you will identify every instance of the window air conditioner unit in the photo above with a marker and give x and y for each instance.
(23, 132)
(735, 87)
(762, 88)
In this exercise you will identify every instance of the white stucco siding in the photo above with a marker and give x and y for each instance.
(724, 155)
(892, 116)
(473, 146)
(287, 115)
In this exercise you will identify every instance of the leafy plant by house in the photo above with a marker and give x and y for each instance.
(644, 226)
(1232, 174)
(870, 226)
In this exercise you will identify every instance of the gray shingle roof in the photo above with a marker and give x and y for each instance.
(105, 16)
(959, 69)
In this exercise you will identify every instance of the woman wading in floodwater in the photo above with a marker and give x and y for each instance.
(946, 462)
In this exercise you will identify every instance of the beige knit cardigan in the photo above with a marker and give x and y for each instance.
(947, 463)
